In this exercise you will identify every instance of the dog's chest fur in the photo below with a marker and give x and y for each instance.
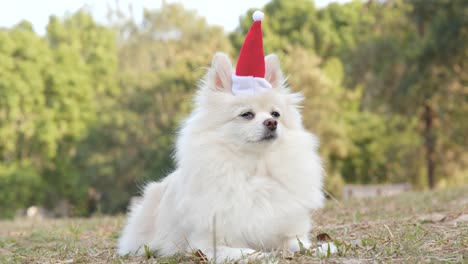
(253, 202)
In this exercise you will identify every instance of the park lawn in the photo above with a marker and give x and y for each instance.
(415, 227)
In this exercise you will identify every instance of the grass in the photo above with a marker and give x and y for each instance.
(416, 227)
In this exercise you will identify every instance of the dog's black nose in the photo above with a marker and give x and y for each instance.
(271, 124)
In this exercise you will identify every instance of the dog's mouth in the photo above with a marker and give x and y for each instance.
(268, 137)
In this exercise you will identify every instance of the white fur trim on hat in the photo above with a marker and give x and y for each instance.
(249, 85)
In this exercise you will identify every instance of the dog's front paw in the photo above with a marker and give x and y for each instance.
(326, 249)
(298, 244)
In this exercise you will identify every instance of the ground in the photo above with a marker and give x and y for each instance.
(413, 227)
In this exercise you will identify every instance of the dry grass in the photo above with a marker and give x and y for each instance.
(410, 228)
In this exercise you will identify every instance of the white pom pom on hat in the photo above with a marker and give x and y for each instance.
(258, 15)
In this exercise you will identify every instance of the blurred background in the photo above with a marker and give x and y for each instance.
(91, 92)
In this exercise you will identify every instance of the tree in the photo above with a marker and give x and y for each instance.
(437, 82)
(51, 88)
(412, 70)
(24, 116)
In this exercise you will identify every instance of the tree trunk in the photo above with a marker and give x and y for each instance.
(429, 144)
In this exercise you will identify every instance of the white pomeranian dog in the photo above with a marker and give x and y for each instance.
(248, 173)
(245, 160)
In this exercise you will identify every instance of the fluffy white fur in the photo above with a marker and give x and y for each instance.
(260, 191)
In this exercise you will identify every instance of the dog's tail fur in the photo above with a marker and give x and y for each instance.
(141, 224)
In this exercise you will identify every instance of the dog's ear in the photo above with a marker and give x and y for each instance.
(221, 72)
(273, 73)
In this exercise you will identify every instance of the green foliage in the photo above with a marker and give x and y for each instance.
(378, 154)
(413, 64)
(50, 89)
(20, 184)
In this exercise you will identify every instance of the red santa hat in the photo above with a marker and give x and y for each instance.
(250, 70)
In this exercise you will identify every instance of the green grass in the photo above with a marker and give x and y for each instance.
(410, 228)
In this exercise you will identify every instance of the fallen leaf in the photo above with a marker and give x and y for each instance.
(324, 237)
(460, 219)
(432, 218)
(200, 256)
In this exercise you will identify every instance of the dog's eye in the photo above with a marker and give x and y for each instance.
(275, 114)
(248, 115)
